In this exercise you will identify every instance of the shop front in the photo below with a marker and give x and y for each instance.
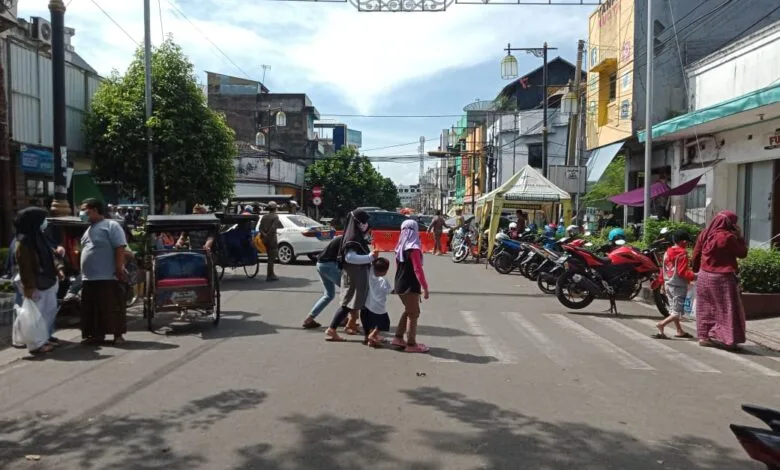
(35, 176)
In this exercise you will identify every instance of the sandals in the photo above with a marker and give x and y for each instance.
(46, 348)
(398, 342)
(417, 348)
(310, 324)
(659, 336)
(685, 335)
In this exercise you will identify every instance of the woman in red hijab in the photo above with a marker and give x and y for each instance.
(719, 314)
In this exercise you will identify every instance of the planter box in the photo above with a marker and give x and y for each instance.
(761, 305)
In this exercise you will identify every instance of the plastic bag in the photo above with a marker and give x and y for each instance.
(690, 303)
(30, 325)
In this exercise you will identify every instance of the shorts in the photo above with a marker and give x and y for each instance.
(411, 304)
(676, 296)
(371, 320)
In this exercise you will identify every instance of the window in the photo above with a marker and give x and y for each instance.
(612, 86)
(696, 206)
(38, 187)
(535, 155)
(303, 221)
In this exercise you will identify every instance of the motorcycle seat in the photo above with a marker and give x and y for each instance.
(182, 282)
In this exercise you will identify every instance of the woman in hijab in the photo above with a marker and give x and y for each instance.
(39, 269)
(410, 283)
(719, 314)
(355, 257)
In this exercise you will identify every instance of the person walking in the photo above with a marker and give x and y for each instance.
(39, 269)
(103, 310)
(355, 258)
(437, 228)
(677, 276)
(719, 314)
(330, 276)
(269, 224)
(410, 283)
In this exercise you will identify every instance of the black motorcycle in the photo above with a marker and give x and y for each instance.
(761, 444)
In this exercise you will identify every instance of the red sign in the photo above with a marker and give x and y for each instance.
(316, 191)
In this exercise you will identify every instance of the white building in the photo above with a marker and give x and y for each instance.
(409, 195)
(731, 136)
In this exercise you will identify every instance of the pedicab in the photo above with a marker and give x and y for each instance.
(180, 280)
(236, 247)
(67, 232)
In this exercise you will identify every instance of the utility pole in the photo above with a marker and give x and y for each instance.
(266, 68)
(545, 131)
(60, 205)
(421, 179)
(6, 168)
(648, 111)
(573, 121)
(148, 97)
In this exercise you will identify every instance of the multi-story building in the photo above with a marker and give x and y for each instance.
(727, 147)
(26, 59)
(682, 33)
(409, 195)
(250, 108)
(333, 135)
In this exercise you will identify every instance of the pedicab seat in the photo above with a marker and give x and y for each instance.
(173, 282)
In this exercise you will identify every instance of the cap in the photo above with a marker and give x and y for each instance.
(293, 203)
(272, 205)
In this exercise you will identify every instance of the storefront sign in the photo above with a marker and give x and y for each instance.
(35, 160)
(774, 141)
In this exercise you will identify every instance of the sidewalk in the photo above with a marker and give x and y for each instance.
(764, 332)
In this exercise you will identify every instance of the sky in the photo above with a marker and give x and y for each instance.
(355, 66)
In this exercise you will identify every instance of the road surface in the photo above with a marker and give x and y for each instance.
(513, 381)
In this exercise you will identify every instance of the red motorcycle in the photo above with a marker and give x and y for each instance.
(618, 276)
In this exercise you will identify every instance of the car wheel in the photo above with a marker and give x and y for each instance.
(286, 254)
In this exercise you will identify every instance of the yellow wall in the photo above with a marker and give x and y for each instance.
(610, 50)
(475, 143)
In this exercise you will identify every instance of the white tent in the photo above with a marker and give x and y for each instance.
(525, 187)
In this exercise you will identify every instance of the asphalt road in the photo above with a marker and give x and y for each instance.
(513, 381)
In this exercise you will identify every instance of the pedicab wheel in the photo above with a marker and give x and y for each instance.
(218, 303)
(251, 273)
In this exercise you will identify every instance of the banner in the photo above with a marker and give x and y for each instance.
(385, 240)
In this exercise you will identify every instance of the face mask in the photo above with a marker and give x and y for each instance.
(83, 216)
(363, 227)
(44, 225)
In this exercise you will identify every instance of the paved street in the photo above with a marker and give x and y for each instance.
(513, 381)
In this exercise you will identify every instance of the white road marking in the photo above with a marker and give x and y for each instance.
(489, 346)
(668, 352)
(10, 368)
(623, 357)
(763, 370)
(532, 334)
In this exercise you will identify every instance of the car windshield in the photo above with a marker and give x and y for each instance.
(303, 221)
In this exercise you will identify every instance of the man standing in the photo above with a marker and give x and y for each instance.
(103, 275)
(520, 221)
(293, 207)
(269, 224)
(437, 227)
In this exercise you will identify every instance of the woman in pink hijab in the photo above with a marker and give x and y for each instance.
(410, 283)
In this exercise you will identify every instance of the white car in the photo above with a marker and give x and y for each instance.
(300, 236)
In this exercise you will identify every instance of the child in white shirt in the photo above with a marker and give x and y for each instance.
(373, 316)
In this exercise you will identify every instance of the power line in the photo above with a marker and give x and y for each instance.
(183, 15)
(115, 22)
(162, 29)
(416, 142)
(394, 116)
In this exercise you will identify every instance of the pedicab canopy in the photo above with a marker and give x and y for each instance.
(527, 190)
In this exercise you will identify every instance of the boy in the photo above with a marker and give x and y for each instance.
(374, 315)
(677, 276)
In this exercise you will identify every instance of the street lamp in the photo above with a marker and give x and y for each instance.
(509, 71)
(260, 139)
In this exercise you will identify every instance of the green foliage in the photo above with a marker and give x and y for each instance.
(349, 181)
(612, 182)
(760, 272)
(653, 229)
(194, 147)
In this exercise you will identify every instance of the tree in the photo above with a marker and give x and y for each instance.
(611, 183)
(350, 181)
(194, 148)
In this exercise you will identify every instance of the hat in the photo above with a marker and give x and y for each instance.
(272, 205)
(293, 203)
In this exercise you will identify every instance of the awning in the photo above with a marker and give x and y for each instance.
(736, 112)
(636, 197)
(600, 158)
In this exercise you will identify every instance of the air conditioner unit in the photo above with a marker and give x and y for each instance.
(41, 30)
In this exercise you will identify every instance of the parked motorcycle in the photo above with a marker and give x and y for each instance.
(552, 267)
(463, 244)
(618, 276)
(513, 253)
(762, 445)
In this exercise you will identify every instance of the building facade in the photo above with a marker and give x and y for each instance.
(682, 33)
(409, 195)
(730, 139)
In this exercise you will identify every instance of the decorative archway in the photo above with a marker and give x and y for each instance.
(420, 6)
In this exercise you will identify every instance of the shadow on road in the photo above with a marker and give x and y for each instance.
(233, 324)
(117, 441)
(619, 316)
(448, 354)
(507, 439)
(285, 283)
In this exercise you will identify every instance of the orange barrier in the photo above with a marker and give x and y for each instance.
(385, 240)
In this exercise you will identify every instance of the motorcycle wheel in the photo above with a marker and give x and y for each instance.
(532, 270)
(460, 254)
(563, 290)
(661, 302)
(504, 263)
(546, 283)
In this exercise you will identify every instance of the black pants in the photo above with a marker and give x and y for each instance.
(339, 317)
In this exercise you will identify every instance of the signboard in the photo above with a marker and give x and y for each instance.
(316, 191)
(35, 160)
(569, 178)
(354, 138)
(774, 141)
(317, 201)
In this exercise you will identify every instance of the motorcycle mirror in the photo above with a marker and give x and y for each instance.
(620, 242)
